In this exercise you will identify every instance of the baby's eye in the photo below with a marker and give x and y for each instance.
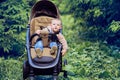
(53, 24)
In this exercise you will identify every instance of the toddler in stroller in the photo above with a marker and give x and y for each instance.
(54, 27)
(42, 60)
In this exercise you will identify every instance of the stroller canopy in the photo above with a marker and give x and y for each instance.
(44, 8)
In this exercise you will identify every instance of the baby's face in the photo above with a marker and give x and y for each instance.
(56, 25)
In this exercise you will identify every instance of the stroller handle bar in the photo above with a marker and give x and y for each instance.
(29, 53)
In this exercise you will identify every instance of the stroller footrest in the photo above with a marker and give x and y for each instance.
(43, 59)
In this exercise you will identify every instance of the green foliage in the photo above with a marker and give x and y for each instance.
(114, 26)
(13, 20)
(93, 61)
(93, 16)
(10, 69)
(86, 24)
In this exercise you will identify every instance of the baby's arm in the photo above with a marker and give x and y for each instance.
(64, 43)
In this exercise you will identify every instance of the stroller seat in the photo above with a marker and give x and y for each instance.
(36, 24)
(39, 23)
(41, 15)
(46, 57)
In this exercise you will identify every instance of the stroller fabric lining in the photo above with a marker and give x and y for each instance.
(39, 23)
(36, 24)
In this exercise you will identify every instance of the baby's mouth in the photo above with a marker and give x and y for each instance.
(55, 28)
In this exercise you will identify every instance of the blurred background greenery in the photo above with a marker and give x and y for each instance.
(91, 27)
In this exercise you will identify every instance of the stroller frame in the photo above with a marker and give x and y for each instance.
(32, 69)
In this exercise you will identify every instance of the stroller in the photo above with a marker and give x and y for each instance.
(41, 15)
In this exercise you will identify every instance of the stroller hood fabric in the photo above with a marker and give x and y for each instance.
(44, 7)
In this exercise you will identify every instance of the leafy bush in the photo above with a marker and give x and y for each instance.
(93, 62)
(13, 20)
(10, 69)
(88, 57)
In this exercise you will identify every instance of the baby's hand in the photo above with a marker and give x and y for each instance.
(63, 52)
(38, 31)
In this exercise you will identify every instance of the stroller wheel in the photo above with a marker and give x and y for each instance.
(55, 77)
(31, 78)
(25, 70)
(65, 74)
